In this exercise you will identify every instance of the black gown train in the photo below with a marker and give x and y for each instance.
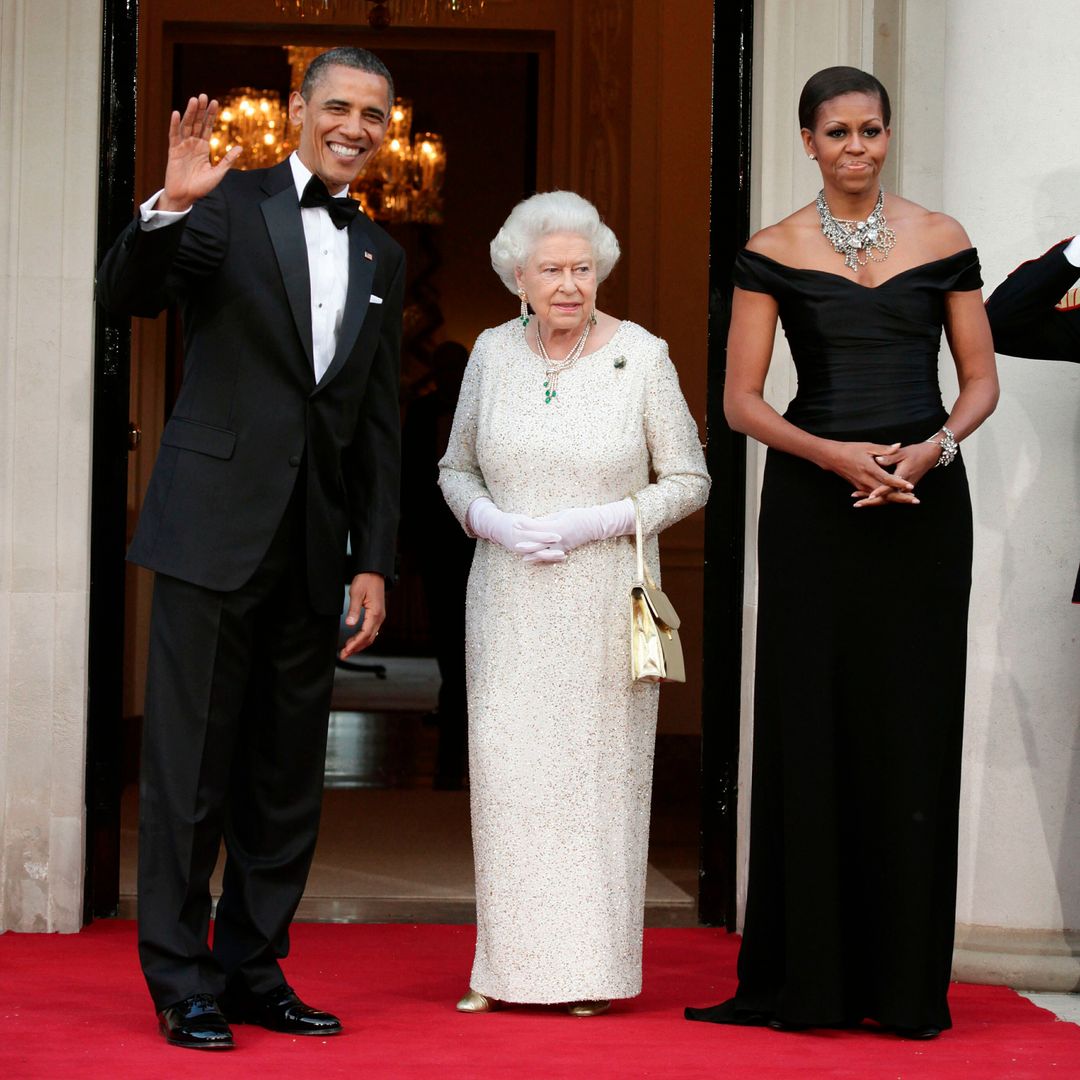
(859, 691)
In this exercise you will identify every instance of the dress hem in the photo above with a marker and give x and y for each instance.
(565, 997)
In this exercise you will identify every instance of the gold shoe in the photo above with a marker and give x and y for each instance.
(588, 1008)
(473, 1002)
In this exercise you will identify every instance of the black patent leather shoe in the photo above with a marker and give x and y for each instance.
(196, 1023)
(783, 1025)
(279, 1009)
(928, 1032)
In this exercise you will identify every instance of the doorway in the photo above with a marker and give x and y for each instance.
(382, 765)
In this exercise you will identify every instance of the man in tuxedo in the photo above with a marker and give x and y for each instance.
(1035, 312)
(281, 455)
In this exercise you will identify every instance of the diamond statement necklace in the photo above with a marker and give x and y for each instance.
(859, 242)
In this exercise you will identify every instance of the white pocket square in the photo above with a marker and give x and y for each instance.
(376, 299)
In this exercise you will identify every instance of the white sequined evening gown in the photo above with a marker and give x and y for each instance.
(560, 739)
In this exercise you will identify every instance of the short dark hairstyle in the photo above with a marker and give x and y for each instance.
(344, 56)
(833, 82)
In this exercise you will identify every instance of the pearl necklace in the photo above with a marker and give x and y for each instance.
(858, 241)
(554, 368)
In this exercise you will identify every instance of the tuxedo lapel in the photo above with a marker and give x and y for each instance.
(361, 275)
(281, 212)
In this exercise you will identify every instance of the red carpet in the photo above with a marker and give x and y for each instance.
(75, 1006)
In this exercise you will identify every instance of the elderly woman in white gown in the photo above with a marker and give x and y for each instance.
(564, 413)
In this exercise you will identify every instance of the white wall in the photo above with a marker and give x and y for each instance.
(1011, 173)
(49, 93)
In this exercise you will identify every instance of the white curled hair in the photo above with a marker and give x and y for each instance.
(541, 215)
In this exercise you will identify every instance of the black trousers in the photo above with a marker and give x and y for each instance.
(234, 746)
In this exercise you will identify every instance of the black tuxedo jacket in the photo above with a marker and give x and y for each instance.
(1024, 313)
(1026, 319)
(249, 415)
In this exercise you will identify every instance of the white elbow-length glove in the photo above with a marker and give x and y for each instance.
(519, 534)
(583, 524)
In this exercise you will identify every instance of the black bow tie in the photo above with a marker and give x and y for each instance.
(342, 211)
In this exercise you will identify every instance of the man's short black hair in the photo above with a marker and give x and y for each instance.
(345, 56)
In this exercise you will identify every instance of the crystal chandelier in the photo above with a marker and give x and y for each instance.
(403, 181)
(426, 11)
(255, 120)
(380, 12)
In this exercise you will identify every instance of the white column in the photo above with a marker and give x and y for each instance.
(1011, 174)
(50, 61)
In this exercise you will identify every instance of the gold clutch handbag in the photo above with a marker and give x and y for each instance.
(655, 650)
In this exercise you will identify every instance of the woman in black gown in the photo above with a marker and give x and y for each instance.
(865, 568)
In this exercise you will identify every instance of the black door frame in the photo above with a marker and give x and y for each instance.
(108, 507)
(724, 517)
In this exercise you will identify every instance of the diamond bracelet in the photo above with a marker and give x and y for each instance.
(948, 445)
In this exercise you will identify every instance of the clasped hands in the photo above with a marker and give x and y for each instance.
(864, 466)
(548, 539)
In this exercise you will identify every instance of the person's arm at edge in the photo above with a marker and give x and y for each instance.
(1024, 317)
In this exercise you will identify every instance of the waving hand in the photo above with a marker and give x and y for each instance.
(189, 174)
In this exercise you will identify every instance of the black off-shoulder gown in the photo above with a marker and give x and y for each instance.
(859, 688)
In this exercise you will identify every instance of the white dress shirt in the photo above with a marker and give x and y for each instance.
(328, 262)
